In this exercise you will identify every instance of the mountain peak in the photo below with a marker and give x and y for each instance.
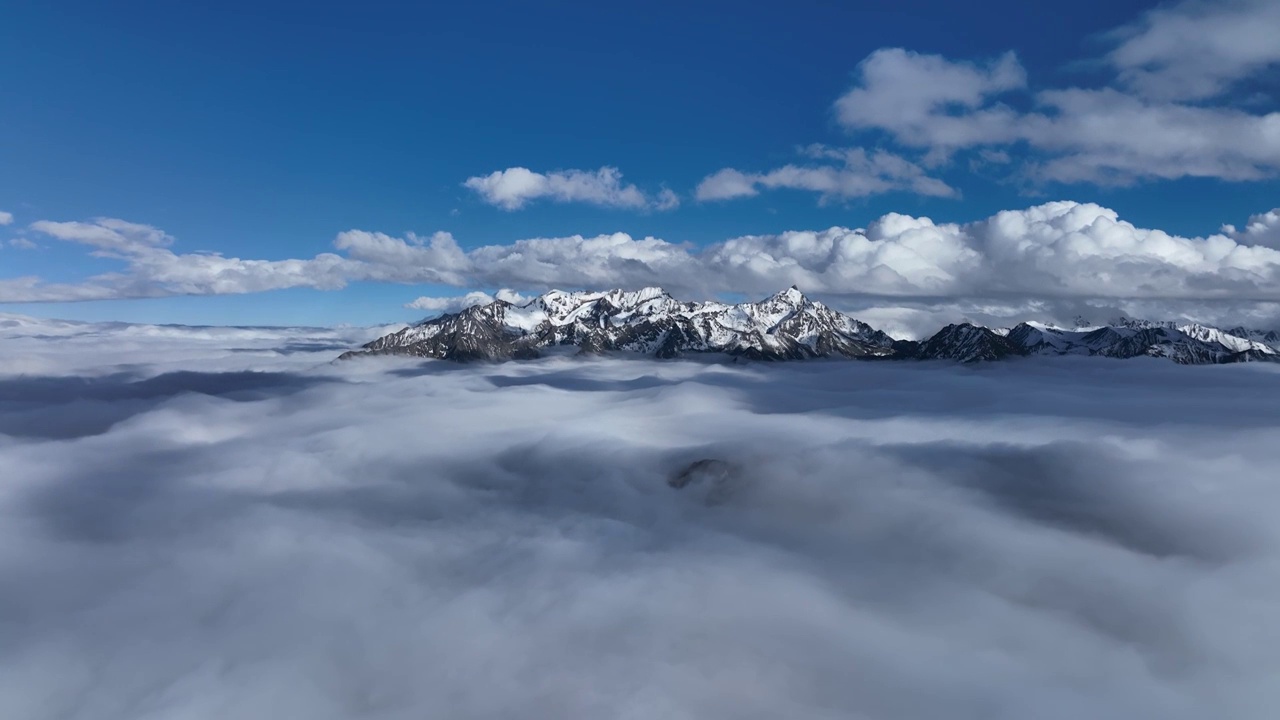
(790, 296)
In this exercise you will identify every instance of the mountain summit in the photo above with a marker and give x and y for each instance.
(784, 326)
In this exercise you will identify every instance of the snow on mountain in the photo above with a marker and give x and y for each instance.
(1270, 338)
(784, 326)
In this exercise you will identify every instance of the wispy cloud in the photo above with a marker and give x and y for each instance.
(837, 174)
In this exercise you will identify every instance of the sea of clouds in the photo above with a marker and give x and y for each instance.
(224, 523)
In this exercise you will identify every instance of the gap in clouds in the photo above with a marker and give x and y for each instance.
(273, 533)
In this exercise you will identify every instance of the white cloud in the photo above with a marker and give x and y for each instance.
(379, 256)
(152, 270)
(1086, 250)
(858, 174)
(929, 101)
(513, 188)
(263, 534)
(1262, 229)
(726, 184)
(666, 199)
(1194, 50)
(895, 255)
(438, 305)
(1107, 137)
(1094, 135)
(22, 243)
(6, 218)
(107, 234)
(575, 261)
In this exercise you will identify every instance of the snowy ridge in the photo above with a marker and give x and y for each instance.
(1189, 344)
(784, 326)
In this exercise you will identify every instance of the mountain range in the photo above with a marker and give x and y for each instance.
(785, 326)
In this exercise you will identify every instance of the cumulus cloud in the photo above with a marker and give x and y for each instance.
(513, 188)
(1262, 229)
(6, 218)
(857, 174)
(1064, 251)
(22, 243)
(1196, 50)
(264, 534)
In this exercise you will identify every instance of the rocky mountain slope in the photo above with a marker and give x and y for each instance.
(785, 326)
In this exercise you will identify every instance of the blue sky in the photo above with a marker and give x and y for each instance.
(262, 130)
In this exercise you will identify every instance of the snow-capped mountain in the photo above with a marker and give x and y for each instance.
(785, 326)
(1189, 344)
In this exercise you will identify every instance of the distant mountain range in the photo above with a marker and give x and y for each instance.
(785, 326)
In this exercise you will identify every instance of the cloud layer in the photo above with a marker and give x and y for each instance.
(513, 188)
(384, 539)
(1063, 252)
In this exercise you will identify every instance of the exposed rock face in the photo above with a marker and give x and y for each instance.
(785, 326)
(967, 343)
